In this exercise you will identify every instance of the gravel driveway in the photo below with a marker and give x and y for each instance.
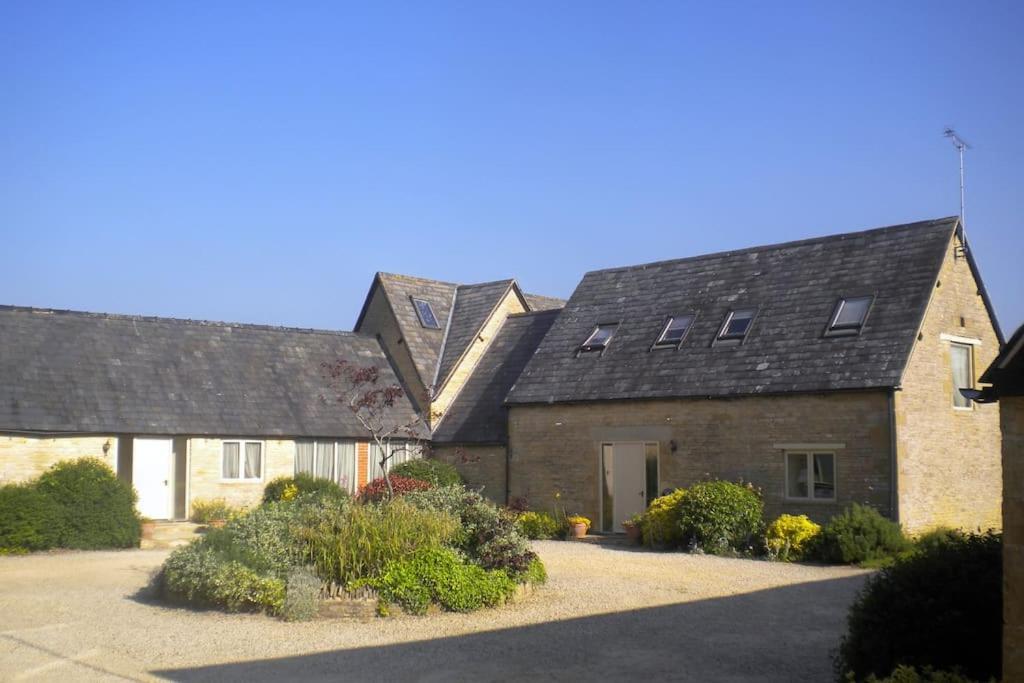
(607, 613)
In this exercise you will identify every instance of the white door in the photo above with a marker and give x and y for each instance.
(152, 476)
(629, 481)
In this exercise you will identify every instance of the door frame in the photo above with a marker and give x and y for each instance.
(600, 475)
(171, 473)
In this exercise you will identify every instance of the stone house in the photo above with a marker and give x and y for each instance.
(822, 371)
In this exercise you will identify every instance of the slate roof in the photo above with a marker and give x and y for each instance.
(794, 286)
(473, 306)
(93, 372)
(477, 414)
(539, 302)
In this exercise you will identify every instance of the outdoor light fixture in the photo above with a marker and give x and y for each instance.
(673, 446)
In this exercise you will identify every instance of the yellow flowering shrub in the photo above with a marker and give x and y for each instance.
(660, 523)
(290, 491)
(573, 520)
(787, 538)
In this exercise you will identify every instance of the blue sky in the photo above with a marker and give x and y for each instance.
(259, 162)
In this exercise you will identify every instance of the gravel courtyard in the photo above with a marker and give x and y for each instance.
(607, 613)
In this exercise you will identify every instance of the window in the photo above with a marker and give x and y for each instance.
(736, 325)
(674, 331)
(334, 460)
(849, 315)
(820, 486)
(401, 451)
(962, 358)
(242, 460)
(426, 314)
(600, 337)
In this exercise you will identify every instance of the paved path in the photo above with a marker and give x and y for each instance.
(606, 614)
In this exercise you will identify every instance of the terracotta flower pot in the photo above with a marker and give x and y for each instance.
(632, 532)
(579, 530)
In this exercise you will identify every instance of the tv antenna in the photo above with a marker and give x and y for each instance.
(960, 145)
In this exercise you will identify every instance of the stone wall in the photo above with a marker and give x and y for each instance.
(1012, 411)
(26, 457)
(481, 466)
(949, 470)
(555, 448)
(205, 462)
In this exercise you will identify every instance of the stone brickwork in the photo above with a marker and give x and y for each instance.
(510, 305)
(949, 470)
(481, 466)
(205, 463)
(26, 457)
(1012, 411)
(379, 320)
(555, 448)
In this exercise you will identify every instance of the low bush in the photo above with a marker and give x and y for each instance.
(860, 534)
(719, 516)
(926, 674)
(441, 576)
(790, 536)
(938, 607)
(537, 525)
(302, 595)
(205, 511)
(97, 509)
(536, 574)
(29, 519)
(659, 525)
(433, 472)
(265, 539)
(377, 489)
(199, 575)
(302, 485)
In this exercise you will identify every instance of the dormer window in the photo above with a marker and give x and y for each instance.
(426, 314)
(673, 332)
(600, 337)
(849, 315)
(737, 324)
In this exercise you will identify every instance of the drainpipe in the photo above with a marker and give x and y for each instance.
(894, 476)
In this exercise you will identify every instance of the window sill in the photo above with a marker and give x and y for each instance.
(240, 481)
(787, 499)
(958, 409)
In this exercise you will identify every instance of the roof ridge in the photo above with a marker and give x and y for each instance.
(188, 321)
(524, 314)
(778, 245)
(381, 273)
(503, 281)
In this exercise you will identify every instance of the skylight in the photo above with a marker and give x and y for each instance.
(426, 314)
(849, 315)
(599, 338)
(736, 325)
(674, 331)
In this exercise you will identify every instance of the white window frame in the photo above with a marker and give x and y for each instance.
(241, 478)
(433, 313)
(720, 338)
(963, 344)
(353, 484)
(809, 455)
(587, 347)
(661, 343)
(848, 330)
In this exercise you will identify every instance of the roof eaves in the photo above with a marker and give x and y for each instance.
(444, 342)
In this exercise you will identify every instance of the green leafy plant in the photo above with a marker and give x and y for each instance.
(860, 534)
(302, 485)
(939, 607)
(537, 525)
(29, 519)
(720, 516)
(925, 674)
(536, 573)
(199, 575)
(433, 472)
(659, 525)
(302, 595)
(212, 510)
(789, 537)
(97, 509)
(573, 520)
(377, 490)
(266, 538)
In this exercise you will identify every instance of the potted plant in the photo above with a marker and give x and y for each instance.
(148, 528)
(578, 525)
(632, 527)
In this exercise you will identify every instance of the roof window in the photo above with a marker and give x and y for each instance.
(737, 324)
(849, 315)
(600, 337)
(674, 331)
(426, 314)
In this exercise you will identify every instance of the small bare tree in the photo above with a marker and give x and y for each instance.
(362, 391)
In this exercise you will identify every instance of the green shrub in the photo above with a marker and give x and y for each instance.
(265, 539)
(355, 542)
(440, 575)
(659, 525)
(719, 516)
(536, 573)
(29, 519)
(431, 471)
(860, 534)
(97, 508)
(939, 607)
(790, 536)
(199, 575)
(206, 511)
(302, 485)
(302, 595)
(537, 525)
(909, 674)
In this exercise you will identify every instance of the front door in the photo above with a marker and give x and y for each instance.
(629, 482)
(153, 476)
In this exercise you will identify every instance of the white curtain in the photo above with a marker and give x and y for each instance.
(253, 458)
(304, 457)
(375, 470)
(229, 467)
(325, 460)
(348, 473)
